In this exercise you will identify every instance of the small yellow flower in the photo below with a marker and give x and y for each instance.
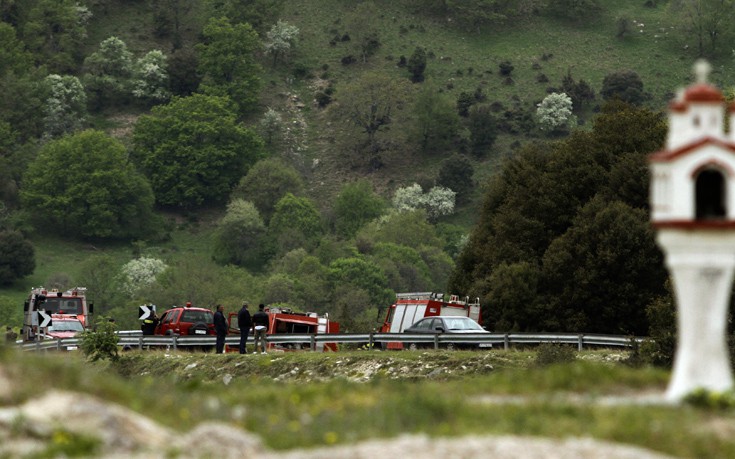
(330, 437)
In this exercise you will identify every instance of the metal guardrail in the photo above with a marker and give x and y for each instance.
(135, 340)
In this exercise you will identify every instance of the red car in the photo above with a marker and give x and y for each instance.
(186, 321)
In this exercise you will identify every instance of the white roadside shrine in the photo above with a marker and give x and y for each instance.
(693, 210)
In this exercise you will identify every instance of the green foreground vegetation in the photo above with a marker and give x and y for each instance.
(358, 395)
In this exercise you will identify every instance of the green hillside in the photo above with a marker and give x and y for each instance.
(309, 89)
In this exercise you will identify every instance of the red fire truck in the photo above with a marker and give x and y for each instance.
(285, 321)
(410, 307)
(70, 304)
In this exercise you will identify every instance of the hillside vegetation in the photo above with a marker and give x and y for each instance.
(324, 154)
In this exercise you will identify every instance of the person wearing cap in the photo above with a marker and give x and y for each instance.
(188, 304)
(220, 326)
(245, 323)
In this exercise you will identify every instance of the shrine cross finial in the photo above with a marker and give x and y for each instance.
(702, 69)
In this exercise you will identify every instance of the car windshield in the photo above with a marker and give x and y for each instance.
(462, 323)
(66, 325)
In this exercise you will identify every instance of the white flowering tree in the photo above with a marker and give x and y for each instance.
(555, 112)
(65, 109)
(437, 202)
(139, 273)
(280, 39)
(150, 77)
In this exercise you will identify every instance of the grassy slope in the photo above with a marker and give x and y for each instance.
(590, 52)
(297, 400)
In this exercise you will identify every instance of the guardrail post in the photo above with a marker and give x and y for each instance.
(436, 341)
(312, 342)
(176, 339)
(58, 344)
(140, 343)
(371, 344)
(580, 342)
(506, 341)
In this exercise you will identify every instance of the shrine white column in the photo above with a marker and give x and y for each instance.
(701, 263)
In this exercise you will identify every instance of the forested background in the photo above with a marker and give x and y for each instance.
(326, 154)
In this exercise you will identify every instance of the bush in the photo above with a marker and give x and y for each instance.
(553, 353)
(100, 343)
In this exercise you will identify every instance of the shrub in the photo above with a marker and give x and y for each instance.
(100, 343)
(506, 68)
(553, 353)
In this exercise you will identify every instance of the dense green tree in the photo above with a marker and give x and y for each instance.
(54, 32)
(483, 129)
(625, 85)
(436, 120)
(357, 272)
(261, 14)
(227, 62)
(403, 266)
(83, 185)
(193, 150)
(405, 228)
(356, 205)
(239, 235)
(266, 182)
(370, 103)
(603, 272)
(17, 257)
(456, 174)
(553, 219)
(417, 64)
(183, 77)
(296, 222)
(100, 275)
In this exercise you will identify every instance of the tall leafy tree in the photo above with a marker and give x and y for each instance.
(83, 185)
(17, 257)
(108, 73)
(227, 62)
(436, 120)
(370, 103)
(54, 32)
(356, 205)
(266, 183)
(239, 235)
(554, 229)
(280, 39)
(66, 107)
(193, 150)
(261, 14)
(296, 222)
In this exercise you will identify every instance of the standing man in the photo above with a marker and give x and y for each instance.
(220, 326)
(260, 327)
(245, 323)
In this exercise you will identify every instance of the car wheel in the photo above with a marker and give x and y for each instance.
(451, 347)
(413, 347)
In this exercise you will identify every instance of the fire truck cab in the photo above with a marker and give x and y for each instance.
(410, 307)
(69, 304)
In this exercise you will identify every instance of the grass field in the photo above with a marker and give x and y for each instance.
(297, 400)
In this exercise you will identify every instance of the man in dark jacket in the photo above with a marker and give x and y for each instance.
(260, 328)
(245, 324)
(220, 326)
